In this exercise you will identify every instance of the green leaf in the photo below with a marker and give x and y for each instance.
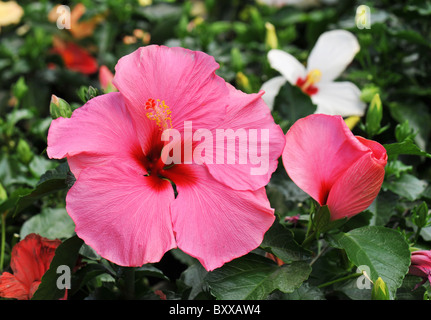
(407, 186)
(305, 292)
(405, 147)
(53, 180)
(20, 88)
(383, 207)
(279, 241)
(292, 103)
(67, 255)
(384, 251)
(404, 132)
(194, 279)
(254, 277)
(50, 223)
(420, 216)
(409, 289)
(88, 273)
(149, 270)
(418, 119)
(12, 200)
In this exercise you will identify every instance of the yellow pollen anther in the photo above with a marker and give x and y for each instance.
(158, 111)
(312, 77)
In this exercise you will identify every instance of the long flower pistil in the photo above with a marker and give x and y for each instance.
(307, 85)
(159, 111)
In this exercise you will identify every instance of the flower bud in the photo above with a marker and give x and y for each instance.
(59, 108)
(380, 290)
(3, 194)
(374, 116)
(24, 152)
(271, 40)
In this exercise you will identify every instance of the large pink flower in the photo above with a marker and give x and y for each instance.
(124, 203)
(336, 168)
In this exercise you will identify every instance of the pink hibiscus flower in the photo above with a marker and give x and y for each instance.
(124, 203)
(336, 168)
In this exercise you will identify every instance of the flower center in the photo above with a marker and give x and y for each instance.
(307, 85)
(158, 111)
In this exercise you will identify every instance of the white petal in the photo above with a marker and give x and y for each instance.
(290, 68)
(339, 98)
(271, 88)
(332, 53)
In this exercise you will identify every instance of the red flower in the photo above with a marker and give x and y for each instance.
(30, 260)
(421, 265)
(74, 57)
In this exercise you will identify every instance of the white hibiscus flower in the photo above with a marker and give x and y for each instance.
(332, 53)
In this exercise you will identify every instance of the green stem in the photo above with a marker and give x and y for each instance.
(129, 282)
(418, 231)
(309, 238)
(3, 238)
(354, 275)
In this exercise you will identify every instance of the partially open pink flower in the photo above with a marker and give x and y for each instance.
(336, 168)
(421, 265)
(123, 201)
(30, 259)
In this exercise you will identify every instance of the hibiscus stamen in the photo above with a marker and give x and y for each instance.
(159, 111)
(311, 79)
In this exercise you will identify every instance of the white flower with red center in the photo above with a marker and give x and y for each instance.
(332, 53)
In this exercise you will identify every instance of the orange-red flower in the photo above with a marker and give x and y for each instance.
(74, 57)
(78, 29)
(30, 260)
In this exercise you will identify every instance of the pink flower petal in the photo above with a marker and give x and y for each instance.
(219, 224)
(334, 167)
(357, 188)
(250, 168)
(185, 80)
(421, 264)
(319, 149)
(122, 214)
(99, 131)
(422, 258)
